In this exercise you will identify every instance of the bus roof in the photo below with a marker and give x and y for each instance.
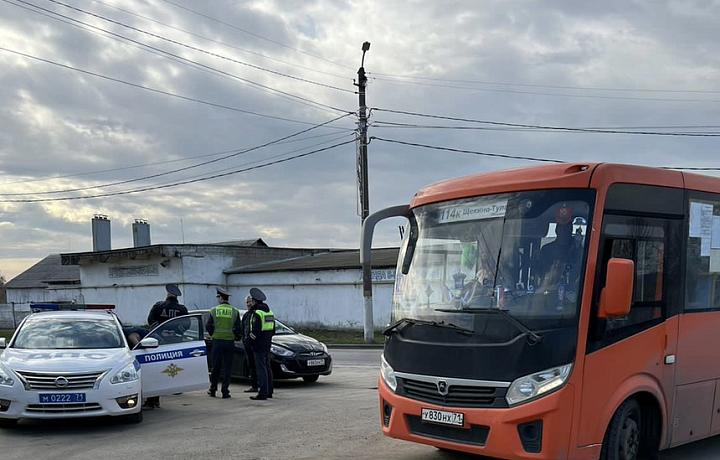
(563, 175)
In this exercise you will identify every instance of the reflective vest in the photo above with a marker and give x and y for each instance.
(267, 319)
(224, 316)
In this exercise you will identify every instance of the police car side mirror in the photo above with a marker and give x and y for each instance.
(2, 342)
(148, 342)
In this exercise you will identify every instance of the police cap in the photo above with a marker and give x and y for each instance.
(172, 289)
(257, 294)
(222, 292)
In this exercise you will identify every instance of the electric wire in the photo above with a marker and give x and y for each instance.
(218, 42)
(564, 95)
(474, 152)
(540, 127)
(266, 88)
(165, 173)
(256, 35)
(200, 50)
(145, 165)
(175, 184)
(154, 90)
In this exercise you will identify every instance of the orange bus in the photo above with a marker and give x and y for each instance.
(569, 311)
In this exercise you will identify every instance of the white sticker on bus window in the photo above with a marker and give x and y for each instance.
(473, 212)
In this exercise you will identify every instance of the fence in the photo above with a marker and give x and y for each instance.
(12, 314)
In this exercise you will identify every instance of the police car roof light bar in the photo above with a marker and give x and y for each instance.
(38, 307)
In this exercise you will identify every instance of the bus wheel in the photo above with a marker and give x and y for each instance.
(622, 440)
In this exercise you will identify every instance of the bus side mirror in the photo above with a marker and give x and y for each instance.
(616, 296)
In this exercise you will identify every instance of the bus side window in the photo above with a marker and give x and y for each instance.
(642, 240)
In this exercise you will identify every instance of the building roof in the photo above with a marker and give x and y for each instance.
(337, 259)
(162, 250)
(48, 271)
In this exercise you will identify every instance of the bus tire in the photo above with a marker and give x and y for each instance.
(622, 439)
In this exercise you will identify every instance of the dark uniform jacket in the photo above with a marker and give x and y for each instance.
(255, 338)
(165, 310)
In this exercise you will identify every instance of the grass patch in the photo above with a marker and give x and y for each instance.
(7, 333)
(340, 337)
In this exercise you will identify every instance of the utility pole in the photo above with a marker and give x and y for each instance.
(364, 192)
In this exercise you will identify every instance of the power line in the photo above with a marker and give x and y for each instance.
(243, 50)
(194, 48)
(205, 163)
(255, 35)
(145, 165)
(583, 88)
(474, 152)
(586, 96)
(293, 97)
(158, 91)
(175, 184)
(528, 126)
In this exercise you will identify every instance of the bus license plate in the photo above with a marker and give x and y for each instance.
(61, 398)
(315, 362)
(443, 417)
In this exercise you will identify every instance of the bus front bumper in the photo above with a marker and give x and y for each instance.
(539, 429)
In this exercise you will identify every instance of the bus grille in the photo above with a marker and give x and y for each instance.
(477, 434)
(47, 380)
(457, 395)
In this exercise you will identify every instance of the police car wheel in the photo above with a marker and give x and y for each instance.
(8, 422)
(133, 418)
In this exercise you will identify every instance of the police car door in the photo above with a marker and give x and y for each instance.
(179, 363)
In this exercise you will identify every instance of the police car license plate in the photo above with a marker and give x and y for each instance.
(315, 362)
(443, 417)
(61, 398)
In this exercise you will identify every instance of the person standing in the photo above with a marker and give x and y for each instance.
(262, 329)
(159, 313)
(168, 308)
(249, 354)
(224, 325)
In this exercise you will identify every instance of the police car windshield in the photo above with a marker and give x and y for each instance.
(67, 334)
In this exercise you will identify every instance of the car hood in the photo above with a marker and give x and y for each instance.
(297, 342)
(70, 361)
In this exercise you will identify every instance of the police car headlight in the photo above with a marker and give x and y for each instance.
(534, 385)
(324, 347)
(126, 374)
(6, 379)
(388, 374)
(280, 351)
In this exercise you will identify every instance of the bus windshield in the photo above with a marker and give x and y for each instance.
(522, 254)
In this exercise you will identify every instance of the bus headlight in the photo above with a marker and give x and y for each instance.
(533, 385)
(388, 374)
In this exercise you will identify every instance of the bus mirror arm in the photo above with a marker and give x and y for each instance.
(616, 296)
(366, 239)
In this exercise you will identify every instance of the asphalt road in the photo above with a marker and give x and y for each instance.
(335, 418)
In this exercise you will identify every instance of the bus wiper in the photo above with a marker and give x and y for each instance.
(532, 337)
(403, 323)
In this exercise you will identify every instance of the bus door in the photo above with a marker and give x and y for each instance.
(697, 407)
(636, 352)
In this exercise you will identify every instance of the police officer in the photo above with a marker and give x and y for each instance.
(159, 313)
(259, 337)
(249, 355)
(225, 326)
(168, 308)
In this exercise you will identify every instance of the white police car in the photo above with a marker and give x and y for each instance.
(66, 364)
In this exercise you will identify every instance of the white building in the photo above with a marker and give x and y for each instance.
(305, 287)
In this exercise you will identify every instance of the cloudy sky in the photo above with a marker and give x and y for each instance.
(226, 120)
